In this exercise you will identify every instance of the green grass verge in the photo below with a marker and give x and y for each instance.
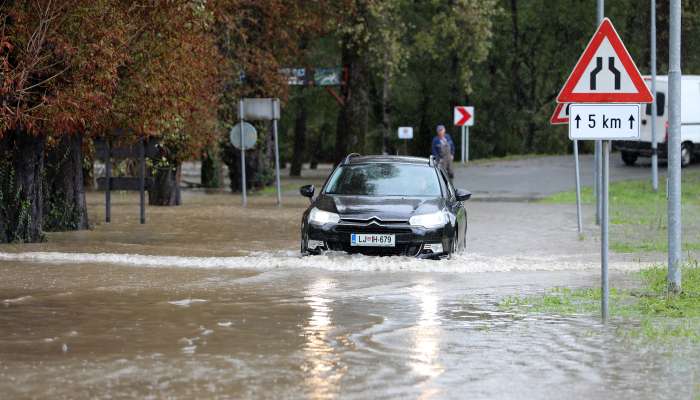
(638, 216)
(272, 190)
(660, 315)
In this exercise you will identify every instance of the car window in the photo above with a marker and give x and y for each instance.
(384, 179)
(660, 104)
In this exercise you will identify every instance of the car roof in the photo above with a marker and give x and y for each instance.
(386, 159)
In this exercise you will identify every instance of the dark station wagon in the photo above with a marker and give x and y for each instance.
(386, 205)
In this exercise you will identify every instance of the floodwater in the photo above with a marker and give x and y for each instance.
(204, 303)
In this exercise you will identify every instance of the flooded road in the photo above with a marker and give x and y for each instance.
(89, 330)
(201, 303)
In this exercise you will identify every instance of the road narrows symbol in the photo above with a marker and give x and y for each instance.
(585, 85)
(615, 71)
(594, 72)
(599, 67)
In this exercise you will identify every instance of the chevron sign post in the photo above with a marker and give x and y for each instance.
(464, 118)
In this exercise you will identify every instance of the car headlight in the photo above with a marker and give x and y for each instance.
(434, 220)
(320, 217)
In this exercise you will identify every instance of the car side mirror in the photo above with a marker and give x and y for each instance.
(463, 195)
(307, 191)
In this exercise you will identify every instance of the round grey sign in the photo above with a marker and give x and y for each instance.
(250, 136)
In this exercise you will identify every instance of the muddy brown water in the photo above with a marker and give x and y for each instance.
(213, 301)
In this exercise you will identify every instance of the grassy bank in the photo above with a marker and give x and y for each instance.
(659, 315)
(638, 215)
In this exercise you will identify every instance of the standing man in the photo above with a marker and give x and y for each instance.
(443, 149)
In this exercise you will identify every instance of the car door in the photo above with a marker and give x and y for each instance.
(455, 207)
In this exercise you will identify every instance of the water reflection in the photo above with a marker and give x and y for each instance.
(321, 362)
(426, 341)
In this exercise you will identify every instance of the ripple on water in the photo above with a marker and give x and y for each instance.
(333, 261)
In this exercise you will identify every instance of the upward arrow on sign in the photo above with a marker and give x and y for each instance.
(605, 73)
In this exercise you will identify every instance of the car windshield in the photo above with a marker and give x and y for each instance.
(382, 179)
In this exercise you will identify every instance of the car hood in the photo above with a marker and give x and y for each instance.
(390, 207)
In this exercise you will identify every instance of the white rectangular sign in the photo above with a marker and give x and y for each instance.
(262, 109)
(600, 121)
(405, 132)
(464, 116)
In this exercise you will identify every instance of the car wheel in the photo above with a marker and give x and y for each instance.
(454, 244)
(453, 249)
(463, 248)
(629, 158)
(686, 154)
(304, 241)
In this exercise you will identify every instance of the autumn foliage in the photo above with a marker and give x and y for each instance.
(93, 66)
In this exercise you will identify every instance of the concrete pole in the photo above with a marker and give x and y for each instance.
(654, 146)
(598, 176)
(674, 148)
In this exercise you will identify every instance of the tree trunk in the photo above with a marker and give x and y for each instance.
(65, 208)
(386, 109)
(259, 172)
(21, 194)
(299, 138)
(353, 117)
(317, 145)
(210, 173)
(163, 190)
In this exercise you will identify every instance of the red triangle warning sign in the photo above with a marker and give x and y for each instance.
(560, 115)
(605, 73)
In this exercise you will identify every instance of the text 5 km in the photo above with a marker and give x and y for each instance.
(604, 121)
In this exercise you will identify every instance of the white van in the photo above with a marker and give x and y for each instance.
(690, 123)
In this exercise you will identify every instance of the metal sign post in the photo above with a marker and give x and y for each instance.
(579, 222)
(142, 180)
(654, 146)
(464, 118)
(560, 117)
(261, 109)
(604, 74)
(463, 147)
(599, 121)
(674, 148)
(277, 164)
(241, 116)
(466, 143)
(597, 173)
(604, 232)
(405, 134)
(108, 174)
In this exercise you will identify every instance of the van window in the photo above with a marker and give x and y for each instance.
(660, 104)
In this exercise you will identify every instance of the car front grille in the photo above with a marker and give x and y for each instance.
(373, 225)
(372, 229)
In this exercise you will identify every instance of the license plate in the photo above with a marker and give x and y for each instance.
(372, 239)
